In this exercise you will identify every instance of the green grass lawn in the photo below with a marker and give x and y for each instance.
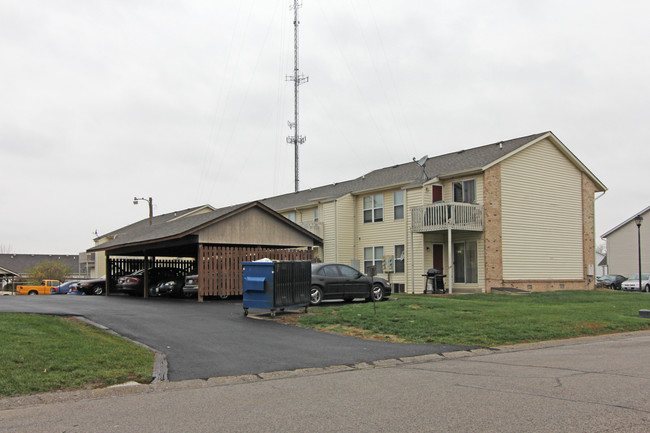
(485, 319)
(44, 353)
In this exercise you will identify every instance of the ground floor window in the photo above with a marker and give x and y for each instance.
(373, 256)
(399, 259)
(466, 262)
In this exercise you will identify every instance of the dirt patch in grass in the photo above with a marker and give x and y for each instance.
(361, 333)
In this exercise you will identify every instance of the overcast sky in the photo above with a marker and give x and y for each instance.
(186, 101)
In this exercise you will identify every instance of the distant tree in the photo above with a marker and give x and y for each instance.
(601, 249)
(5, 249)
(49, 270)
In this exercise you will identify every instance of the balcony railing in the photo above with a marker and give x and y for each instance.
(443, 216)
(316, 228)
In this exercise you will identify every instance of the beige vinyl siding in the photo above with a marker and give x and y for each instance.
(386, 233)
(328, 217)
(623, 249)
(414, 264)
(345, 229)
(541, 194)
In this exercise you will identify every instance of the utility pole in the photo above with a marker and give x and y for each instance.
(296, 139)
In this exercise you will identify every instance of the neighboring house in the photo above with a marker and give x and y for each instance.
(15, 266)
(518, 213)
(623, 246)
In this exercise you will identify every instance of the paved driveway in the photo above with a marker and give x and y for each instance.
(212, 339)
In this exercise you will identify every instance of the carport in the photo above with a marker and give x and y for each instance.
(210, 242)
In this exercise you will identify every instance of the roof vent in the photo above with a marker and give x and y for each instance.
(501, 145)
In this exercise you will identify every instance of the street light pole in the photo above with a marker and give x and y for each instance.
(150, 201)
(638, 220)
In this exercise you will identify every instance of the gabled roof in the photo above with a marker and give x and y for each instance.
(411, 174)
(18, 264)
(627, 221)
(170, 227)
(157, 220)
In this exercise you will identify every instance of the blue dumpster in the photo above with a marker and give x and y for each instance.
(276, 285)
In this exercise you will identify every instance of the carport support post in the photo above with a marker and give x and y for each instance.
(146, 275)
(109, 275)
(200, 263)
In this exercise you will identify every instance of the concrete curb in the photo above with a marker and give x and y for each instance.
(159, 373)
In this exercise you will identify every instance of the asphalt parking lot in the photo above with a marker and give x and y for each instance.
(213, 339)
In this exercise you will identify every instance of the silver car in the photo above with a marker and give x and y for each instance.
(633, 283)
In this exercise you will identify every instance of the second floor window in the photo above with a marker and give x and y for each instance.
(398, 205)
(465, 191)
(292, 216)
(373, 208)
(316, 215)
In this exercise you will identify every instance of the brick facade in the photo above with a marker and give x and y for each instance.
(492, 234)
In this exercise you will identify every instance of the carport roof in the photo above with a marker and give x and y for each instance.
(179, 228)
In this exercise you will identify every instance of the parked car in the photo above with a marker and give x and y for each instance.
(64, 288)
(133, 284)
(610, 281)
(337, 281)
(74, 290)
(633, 283)
(172, 287)
(43, 289)
(191, 287)
(93, 287)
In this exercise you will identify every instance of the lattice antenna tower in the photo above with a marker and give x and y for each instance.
(296, 139)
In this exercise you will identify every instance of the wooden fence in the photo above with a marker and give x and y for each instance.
(220, 269)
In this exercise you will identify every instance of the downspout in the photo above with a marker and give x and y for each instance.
(336, 231)
(356, 231)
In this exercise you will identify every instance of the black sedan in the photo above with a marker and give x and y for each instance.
(93, 287)
(611, 281)
(133, 284)
(337, 281)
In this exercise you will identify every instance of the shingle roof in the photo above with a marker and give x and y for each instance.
(162, 227)
(409, 173)
(20, 263)
(177, 224)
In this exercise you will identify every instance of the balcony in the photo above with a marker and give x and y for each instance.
(315, 227)
(443, 216)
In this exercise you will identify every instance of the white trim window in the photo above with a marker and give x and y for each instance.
(373, 208)
(316, 215)
(399, 259)
(292, 216)
(373, 256)
(466, 262)
(398, 205)
(465, 191)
